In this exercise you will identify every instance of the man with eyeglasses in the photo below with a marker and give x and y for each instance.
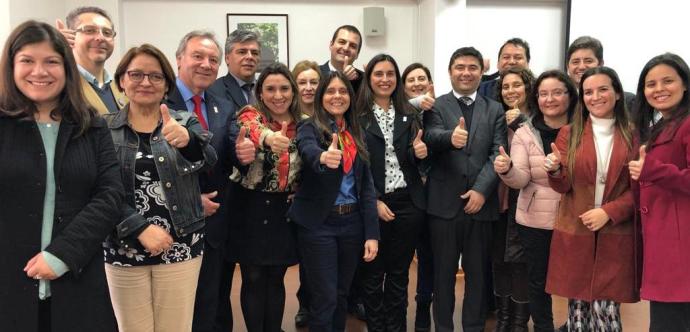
(91, 34)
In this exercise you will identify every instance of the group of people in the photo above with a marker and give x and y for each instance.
(128, 199)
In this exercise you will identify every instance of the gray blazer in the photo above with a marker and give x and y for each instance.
(455, 171)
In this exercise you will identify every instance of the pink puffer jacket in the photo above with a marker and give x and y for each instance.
(537, 205)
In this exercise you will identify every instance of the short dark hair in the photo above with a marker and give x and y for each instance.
(150, 50)
(644, 112)
(586, 42)
(467, 51)
(73, 16)
(71, 103)
(414, 66)
(352, 29)
(517, 42)
(241, 36)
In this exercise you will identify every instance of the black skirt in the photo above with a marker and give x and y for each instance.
(267, 236)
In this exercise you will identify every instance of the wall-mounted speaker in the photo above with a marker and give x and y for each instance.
(374, 21)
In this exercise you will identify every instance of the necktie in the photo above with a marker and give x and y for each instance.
(466, 100)
(197, 110)
(247, 87)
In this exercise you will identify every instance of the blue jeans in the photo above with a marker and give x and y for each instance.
(330, 254)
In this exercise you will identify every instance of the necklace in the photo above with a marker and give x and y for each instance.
(603, 158)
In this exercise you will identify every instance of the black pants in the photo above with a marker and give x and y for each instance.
(425, 265)
(510, 279)
(44, 320)
(212, 310)
(449, 239)
(330, 253)
(385, 279)
(666, 316)
(537, 244)
(262, 297)
(302, 291)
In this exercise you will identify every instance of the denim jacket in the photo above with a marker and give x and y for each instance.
(178, 176)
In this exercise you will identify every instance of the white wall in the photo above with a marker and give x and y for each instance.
(632, 33)
(311, 25)
(5, 24)
(42, 10)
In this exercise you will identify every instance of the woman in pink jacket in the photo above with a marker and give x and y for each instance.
(556, 97)
(664, 190)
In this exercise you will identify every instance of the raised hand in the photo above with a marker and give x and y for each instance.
(475, 201)
(331, 157)
(279, 141)
(635, 166)
(175, 134)
(67, 33)
(459, 137)
(349, 70)
(427, 102)
(244, 148)
(155, 239)
(552, 162)
(513, 113)
(502, 161)
(420, 150)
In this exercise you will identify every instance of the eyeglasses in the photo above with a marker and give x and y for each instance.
(91, 30)
(554, 93)
(138, 76)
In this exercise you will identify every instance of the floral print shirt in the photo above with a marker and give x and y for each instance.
(150, 202)
(269, 172)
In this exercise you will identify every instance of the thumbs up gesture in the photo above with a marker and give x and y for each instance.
(175, 134)
(552, 162)
(331, 157)
(67, 33)
(459, 137)
(419, 146)
(635, 166)
(513, 113)
(349, 70)
(427, 102)
(279, 141)
(502, 161)
(244, 148)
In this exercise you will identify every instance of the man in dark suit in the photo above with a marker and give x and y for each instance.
(198, 58)
(345, 46)
(514, 53)
(242, 55)
(464, 131)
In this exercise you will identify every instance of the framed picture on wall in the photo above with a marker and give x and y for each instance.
(273, 34)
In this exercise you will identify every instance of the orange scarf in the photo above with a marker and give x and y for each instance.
(347, 145)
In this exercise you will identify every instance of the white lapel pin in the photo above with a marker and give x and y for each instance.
(404, 119)
(215, 109)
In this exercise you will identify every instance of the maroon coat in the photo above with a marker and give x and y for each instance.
(665, 213)
(588, 265)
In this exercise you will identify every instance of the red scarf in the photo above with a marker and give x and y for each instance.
(347, 145)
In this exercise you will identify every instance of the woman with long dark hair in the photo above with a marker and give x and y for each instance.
(60, 190)
(663, 181)
(268, 237)
(335, 205)
(393, 136)
(592, 250)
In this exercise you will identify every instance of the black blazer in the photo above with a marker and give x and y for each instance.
(221, 121)
(325, 70)
(455, 171)
(403, 135)
(227, 88)
(88, 199)
(320, 185)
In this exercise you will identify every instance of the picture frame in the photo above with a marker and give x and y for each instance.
(273, 35)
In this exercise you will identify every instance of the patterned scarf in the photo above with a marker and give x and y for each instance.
(347, 145)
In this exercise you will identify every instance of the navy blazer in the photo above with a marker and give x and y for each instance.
(325, 70)
(320, 185)
(403, 136)
(227, 88)
(488, 89)
(221, 119)
(455, 171)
